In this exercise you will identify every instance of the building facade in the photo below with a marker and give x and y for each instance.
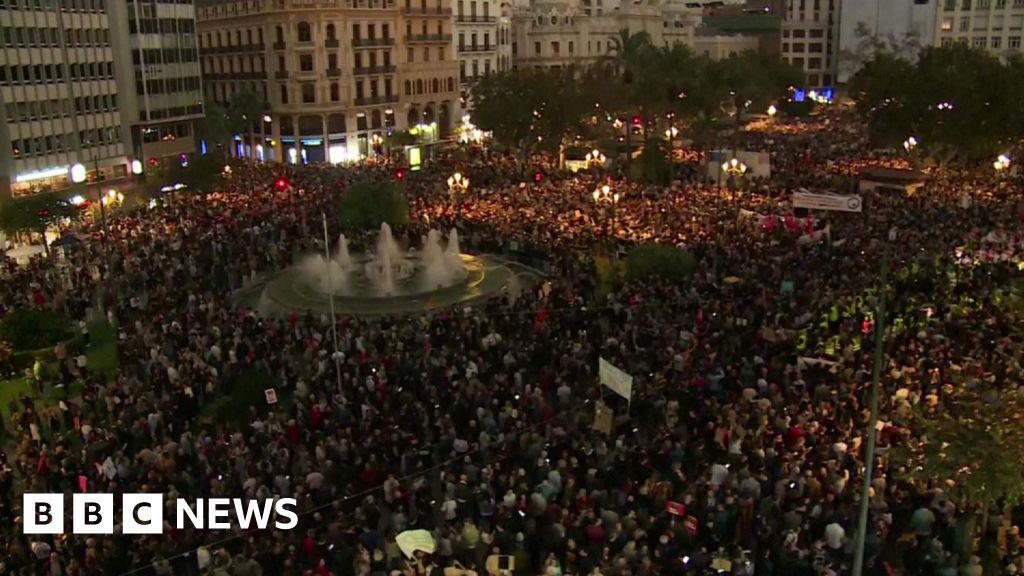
(558, 34)
(163, 100)
(995, 25)
(337, 76)
(810, 39)
(904, 25)
(59, 100)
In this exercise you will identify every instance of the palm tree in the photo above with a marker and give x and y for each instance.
(628, 51)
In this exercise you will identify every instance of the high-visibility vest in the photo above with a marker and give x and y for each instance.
(834, 314)
(802, 343)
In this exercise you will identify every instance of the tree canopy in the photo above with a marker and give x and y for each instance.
(368, 203)
(530, 109)
(237, 117)
(978, 445)
(959, 102)
(34, 213)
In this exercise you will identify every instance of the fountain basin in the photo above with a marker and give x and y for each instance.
(293, 291)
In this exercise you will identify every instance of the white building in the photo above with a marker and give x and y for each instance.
(996, 25)
(161, 54)
(810, 39)
(903, 25)
(561, 33)
(59, 100)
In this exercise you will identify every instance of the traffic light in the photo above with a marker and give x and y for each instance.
(281, 183)
(44, 214)
(636, 120)
(400, 175)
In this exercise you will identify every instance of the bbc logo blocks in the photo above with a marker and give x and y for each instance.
(93, 513)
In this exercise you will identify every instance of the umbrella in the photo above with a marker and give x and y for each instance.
(412, 541)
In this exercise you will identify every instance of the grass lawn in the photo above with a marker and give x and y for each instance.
(102, 357)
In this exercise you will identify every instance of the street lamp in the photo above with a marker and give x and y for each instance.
(376, 142)
(457, 185)
(1001, 164)
(595, 157)
(136, 167)
(909, 144)
(772, 111)
(671, 133)
(603, 195)
(734, 167)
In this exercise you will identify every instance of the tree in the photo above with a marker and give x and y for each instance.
(976, 445)
(32, 329)
(959, 102)
(653, 166)
(870, 44)
(202, 173)
(659, 261)
(368, 203)
(628, 53)
(34, 214)
(221, 123)
(528, 109)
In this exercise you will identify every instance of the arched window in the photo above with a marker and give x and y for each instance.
(330, 32)
(408, 88)
(305, 33)
(436, 86)
(419, 86)
(279, 34)
(451, 84)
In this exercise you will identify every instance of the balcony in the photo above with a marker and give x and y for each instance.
(371, 42)
(373, 100)
(281, 75)
(422, 11)
(331, 43)
(463, 18)
(279, 45)
(428, 38)
(236, 76)
(374, 70)
(334, 72)
(478, 48)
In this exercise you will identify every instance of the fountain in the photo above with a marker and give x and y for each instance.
(342, 256)
(386, 280)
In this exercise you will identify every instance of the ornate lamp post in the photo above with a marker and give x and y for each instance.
(457, 186)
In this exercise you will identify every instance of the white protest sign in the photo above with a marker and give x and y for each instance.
(271, 395)
(412, 541)
(832, 202)
(620, 382)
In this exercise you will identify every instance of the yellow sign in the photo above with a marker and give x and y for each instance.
(415, 158)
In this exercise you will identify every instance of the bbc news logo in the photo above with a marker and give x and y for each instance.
(144, 514)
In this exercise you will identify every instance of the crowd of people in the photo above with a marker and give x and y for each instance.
(741, 450)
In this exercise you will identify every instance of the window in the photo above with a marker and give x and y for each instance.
(950, 5)
(408, 88)
(440, 54)
(978, 42)
(335, 93)
(798, 47)
(332, 61)
(426, 54)
(1014, 43)
(947, 42)
(462, 41)
(279, 31)
(536, 48)
(555, 48)
(409, 55)
(983, 4)
(331, 32)
(965, 23)
(571, 47)
(1000, 3)
(305, 33)
(996, 43)
(308, 93)
(284, 93)
(947, 24)
(306, 62)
